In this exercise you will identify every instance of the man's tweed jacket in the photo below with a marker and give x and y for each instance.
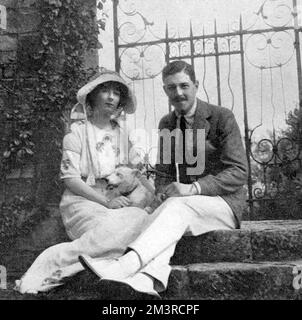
(225, 158)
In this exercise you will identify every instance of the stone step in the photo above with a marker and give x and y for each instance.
(274, 240)
(237, 281)
(217, 265)
(204, 281)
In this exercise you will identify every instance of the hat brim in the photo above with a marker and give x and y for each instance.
(130, 105)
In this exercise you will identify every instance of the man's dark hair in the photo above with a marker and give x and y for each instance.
(176, 67)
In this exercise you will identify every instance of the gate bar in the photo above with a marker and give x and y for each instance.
(116, 36)
(298, 50)
(246, 125)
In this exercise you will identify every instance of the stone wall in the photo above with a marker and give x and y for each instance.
(18, 40)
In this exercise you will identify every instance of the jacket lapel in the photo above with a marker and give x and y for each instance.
(173, 121)
(203, 112)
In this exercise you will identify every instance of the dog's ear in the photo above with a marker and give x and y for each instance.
(136, 173)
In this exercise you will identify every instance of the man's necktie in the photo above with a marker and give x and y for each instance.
(182, 167)
(182, 126)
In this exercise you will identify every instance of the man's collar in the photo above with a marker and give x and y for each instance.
(190, 114)
(201, 110)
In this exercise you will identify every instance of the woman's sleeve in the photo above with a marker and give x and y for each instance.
(70, 164)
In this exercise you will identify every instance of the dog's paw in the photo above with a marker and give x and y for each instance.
(149, 210)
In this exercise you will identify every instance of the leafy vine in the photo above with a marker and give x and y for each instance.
(54, 66)
(47, 73)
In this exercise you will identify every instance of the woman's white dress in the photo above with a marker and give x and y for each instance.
(91, 154)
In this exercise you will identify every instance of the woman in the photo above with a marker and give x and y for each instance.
(99, 228)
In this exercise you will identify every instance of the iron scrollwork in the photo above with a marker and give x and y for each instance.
(134, 31)
(278, 160)
(266, 40)
(144, 62)
(271, 13)
(269, 50)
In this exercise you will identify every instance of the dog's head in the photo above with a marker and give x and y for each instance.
(124, 178)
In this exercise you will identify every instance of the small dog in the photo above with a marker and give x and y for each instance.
(130, 183)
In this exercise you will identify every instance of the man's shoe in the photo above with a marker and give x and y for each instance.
(127, 288)
(118, 290)
(94, 266)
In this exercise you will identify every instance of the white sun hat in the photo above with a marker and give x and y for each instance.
(104, 75)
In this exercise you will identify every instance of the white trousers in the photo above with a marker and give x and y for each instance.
(178, 216)
(153, 237)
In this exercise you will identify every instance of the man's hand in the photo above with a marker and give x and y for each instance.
(160, 197)
(176, 189)
(119, 202)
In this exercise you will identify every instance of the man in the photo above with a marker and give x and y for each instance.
(225, 169)
(202, 197)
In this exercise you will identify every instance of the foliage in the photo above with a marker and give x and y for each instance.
(18, 218)
(18, 136)
(48, 73)
(12, 214)
(104, 15)
(294, 122)
(45, 78)
(278, 179)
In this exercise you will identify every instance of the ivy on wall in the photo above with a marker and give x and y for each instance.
(48, 72)
(49, 69)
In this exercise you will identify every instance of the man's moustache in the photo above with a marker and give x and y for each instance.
(179, 99)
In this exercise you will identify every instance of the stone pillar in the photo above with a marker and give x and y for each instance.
(91, 57)
(21, 23)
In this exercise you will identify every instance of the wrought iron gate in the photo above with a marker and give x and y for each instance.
(226, 57)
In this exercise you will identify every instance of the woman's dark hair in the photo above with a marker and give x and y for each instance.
(123, 93)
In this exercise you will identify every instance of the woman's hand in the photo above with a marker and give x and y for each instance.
(119, 202)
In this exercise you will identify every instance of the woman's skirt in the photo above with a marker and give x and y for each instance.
(94, 230)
